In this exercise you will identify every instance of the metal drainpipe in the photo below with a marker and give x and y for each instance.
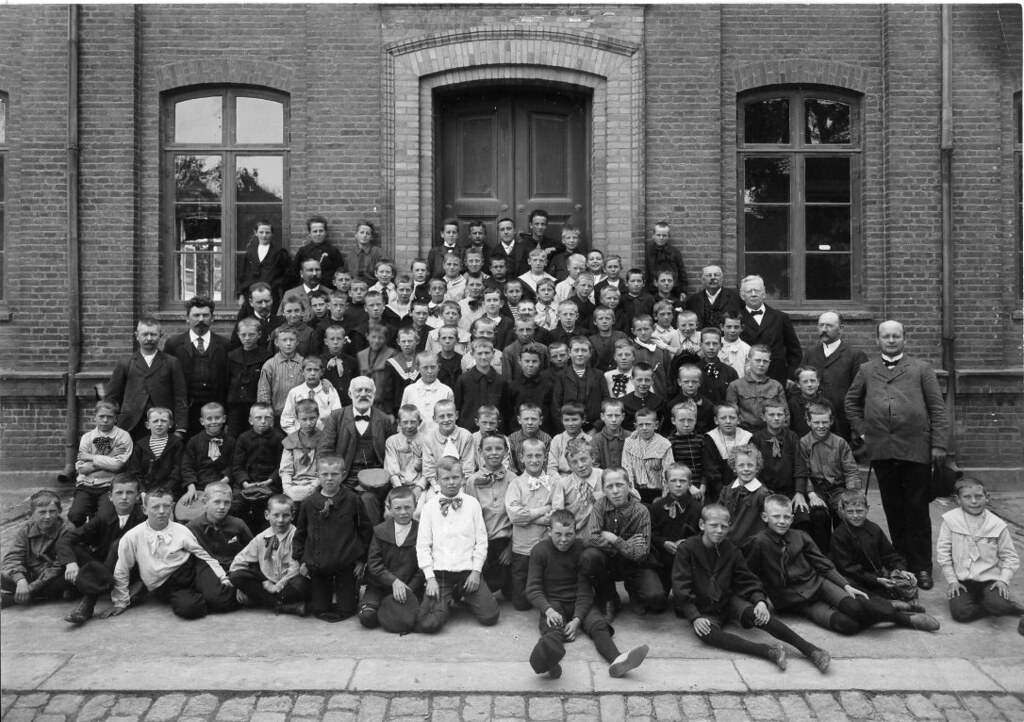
(946, 150)
(74, 300)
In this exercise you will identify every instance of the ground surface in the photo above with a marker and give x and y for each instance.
(147, 664)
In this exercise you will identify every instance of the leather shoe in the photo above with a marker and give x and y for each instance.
(925, 581)
(82, 613)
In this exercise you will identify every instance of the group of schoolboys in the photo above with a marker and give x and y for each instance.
(710, 499)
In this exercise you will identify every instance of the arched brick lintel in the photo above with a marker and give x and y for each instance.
(610, 69)
(801, 70)
(233, 71)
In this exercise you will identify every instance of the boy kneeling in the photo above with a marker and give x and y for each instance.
(711, 585)
(394, 582)
(565, 598)
(265, 570)
(172, 565)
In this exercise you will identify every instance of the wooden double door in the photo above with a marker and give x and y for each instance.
(507, 151)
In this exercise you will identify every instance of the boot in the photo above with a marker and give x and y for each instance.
(83, 612)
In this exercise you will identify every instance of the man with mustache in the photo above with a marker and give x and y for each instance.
(203, 356)
(837, 363)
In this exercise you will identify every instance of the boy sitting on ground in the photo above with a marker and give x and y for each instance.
(565, 598)
(712, 585)
(31, 570)
(265, 572)
(219, 533)
(394, 582)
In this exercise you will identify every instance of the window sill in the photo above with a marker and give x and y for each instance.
(803, 313)
(5, 313)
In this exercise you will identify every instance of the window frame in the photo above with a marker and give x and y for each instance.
(5, 169)
(797, 151)
(1018, 186)
(229, 149)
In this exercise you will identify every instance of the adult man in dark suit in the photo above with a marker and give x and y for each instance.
(510, 248)
(896, 409)
(147, 378)
(837, 363)
(204, 360)
(357, 434)
(310, 274)
(260, 305)
(712, 301)
(765, 325)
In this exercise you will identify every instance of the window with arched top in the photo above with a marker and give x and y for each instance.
(799, 168)
(225, 168)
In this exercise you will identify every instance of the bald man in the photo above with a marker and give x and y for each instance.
(837, 363)
(763, 324)
(896, 409)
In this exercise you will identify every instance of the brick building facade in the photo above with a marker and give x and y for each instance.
(669, 96)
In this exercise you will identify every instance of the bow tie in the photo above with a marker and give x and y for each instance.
(156, 540)
(776, 448)
(890, 364)
(674, 509)
(272, 546)
(362, 417)
(336, 363)
(619, 383)
(534, 484)
(758, 312)
(447, 502)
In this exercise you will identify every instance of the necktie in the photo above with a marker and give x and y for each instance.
(156, 541)
(312, 394)
(272, 546)
(776, 448)
(200, 344)
(619, 382)
(213, 449)
(335, 363)
(450, 503)
(673, 509)
(362, 417)
(450, 449)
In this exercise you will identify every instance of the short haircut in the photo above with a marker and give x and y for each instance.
(304, 405)
(488, 410)
(250, 323)
(571, 408)
(283, 331)
(690, 369)
(686, 314)
(199, 302)
(746, 450)
(663, 306)
(401, 492)
(530, 406)
(408, 331)
(264, 406)
(778, 500)
(532, 348)
(580, 341)
(450, 463)
(363, 222)
(819, 407)
(852, 496)
(159, 492)
(409, 409)
(259, 286)
(757, 348)
(579, 445)
(643, 367)
(563, 517)
(450, 222)
(335, 327)
(330, 460)
(804, 369)
(105, 406)
(373, 294)
(967, 482)
(774, 403)
(312, 360)
(537, 253)
(376, 328)
(218, 487)
(635, 272)
(557, 344)
(529, 444)
(538, 212)
(725, 405)
(688, 406)
(710, 509)
(425, 356)
(45, 497)
(612, 471)
(481, 343)
(211, 407)
(405, 279)
(123, 480)
(292, 299)
(384, 262)
(159, 410)
(711, 331)
(646, 413)
(281, 500)
(680, 467)
(612, 404)
(493, 435)
(315, 219)
(443, 404)
(642, 318)
(320, 293)
(150, 321)
(567, 304)
(603, 309)
(546, 282)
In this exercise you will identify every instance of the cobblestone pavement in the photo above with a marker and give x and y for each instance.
(764, 707)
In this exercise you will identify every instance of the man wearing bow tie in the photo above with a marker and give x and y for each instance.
(357, 434)
(896, 409)
(765, 325)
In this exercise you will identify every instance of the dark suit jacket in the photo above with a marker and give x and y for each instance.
(136, 387)
(97, 539)
(515, 262)
(340, 437)
(899, 411)
(267, 326)
(837, 373)
(216, 387)
(777, 333)
(273, 269)
(712, 314)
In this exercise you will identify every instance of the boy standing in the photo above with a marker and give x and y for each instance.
(451, 549)
(530, 418)
(489, 486)
(427, 391)
(580, 383)
(282, 372)
(750, 392)
(314, 388)
(32, 569)
(298, 469)
(208, 455)
(394, 582)
(572, 422)
(744, 498)
(265, 571)
(687, 445)
(257, 456)
(610, 440)
(102, 452)
(480, 386)
(403, 452)
(330, 542)
(530, 499)
(565, 599)
(244, 365)
(645, 456)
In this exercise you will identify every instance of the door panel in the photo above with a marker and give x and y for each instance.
(509, 151)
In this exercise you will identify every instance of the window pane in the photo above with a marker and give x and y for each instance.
(3, 159)
(828, 276)
(828, 180)
(828, 121)
(198, 120)
(766, 121)
(766, 180)
(828, 228)
(3, 121)
(766, 228)
(199, 245)
(258, 120)
(774, 269)
(197, 178)
(259, 178)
